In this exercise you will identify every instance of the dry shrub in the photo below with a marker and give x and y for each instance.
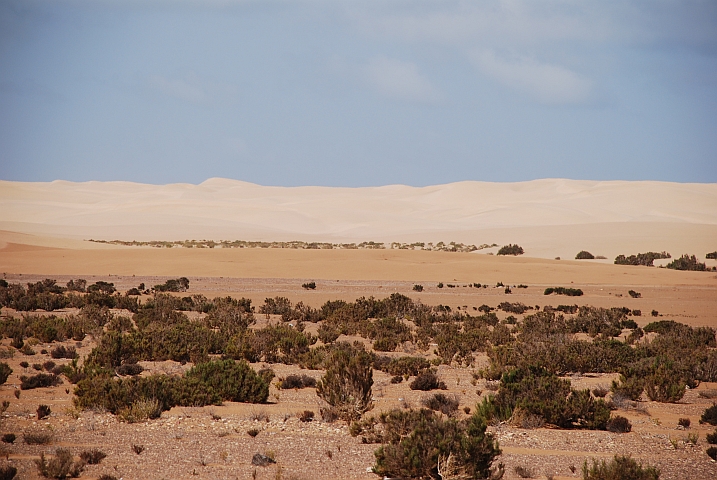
(140, 411)
(9, 438)
(43, 411)
(618, 424)
(306, 416)
(93, 457)
(37, 438)
(253, 432)
(684, 422)
(7, 472)
(709, 393)
(619, 468)
(524, 419)
(524, 472)
(427, 380)
(439, 402)
(62, 465)
(138, 449)
(298, 381)
(346, 386)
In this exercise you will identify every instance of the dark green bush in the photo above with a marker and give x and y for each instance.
(712, 438)
(8, 438)
(711, 256)
(346, 386)
(584, 255)
(570, 292)
(686, 262)
(710, 415)
(63, 352)
(619, 468)
(173, 285)
(298, 381)
(7, 472)
(309, 285)
(5, 372)
(427, 380)
(645, 259)
(420, 444)
(517, 308)
(439, 402)
(618, 424)
(510, 249)
(41, 380)
(410, 366)
(712, 453)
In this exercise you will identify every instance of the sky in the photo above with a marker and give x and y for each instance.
(358, 93)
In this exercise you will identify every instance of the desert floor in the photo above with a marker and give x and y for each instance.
(212, 442)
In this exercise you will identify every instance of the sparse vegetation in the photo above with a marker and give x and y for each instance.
(619, 468)
(570, 292)
(644, 259)
(510, 249)
(687, 262)
(62, 465)
(346, 386)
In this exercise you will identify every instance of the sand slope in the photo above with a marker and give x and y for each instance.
(549, 217)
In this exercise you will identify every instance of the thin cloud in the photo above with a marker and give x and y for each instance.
(191, 88)
(400, 80)
(544, 82)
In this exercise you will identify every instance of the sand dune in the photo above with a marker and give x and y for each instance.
(550, 217)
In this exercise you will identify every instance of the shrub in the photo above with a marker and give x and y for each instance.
(584, 255)
(138, 449)
(106, 476)
(712, 453)
(298, 381)
(510, 249)
(634, 294)
(62, 465)
(710, 415)
(7, 472)
(40, 380)
(684, 422)
(686, 262)
(570, 292)
(43, 411)
(524, 472)
(619, 468)
(37, 437)
(711, 256)
(63, 352)
(618, 424)
(517, 308)
(253, 432)
(396, 379)
(645, 259)
(9, 438)
(410, 366)
(173, 285)
(427, 380)
(92, 457)
(421, 444)
(711, 437)
(418, 288)
(5, 372)
(346, 386)
(306, 416)
(309, 286)
(140, 411)
(129, 369)
(439, 402)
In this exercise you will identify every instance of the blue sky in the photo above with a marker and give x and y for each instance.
(357, 93)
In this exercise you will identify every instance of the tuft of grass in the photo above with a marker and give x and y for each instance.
(37, 438)
(524, 472)
(93, 457)
(253, 432)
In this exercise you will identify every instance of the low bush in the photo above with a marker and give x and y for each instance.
(8, 438)
(710, 415)
(418, 288)
(41, 380)
(524, 472)
(396, 379)
(410, 366)
(439, 402)
(298, 381)
(63, 352)
(7, 472)
(634, 294)
(173, 285)
(140, 411)
(584, 255)
(711, 256)
(644, 259)
(687, 262)
(43, 411)
(92, 457)
(346, 385)
(712, 453)
(5, 372)
(427, 380)
(309, 286)
(306, 416)
(37, 437)
(510, 249)
(711, 437)
(684, 422)
(62, 465)
(619, 468)
(422, 444)
(618, 424)
(129, 369)
(570, 292)
(517, 308)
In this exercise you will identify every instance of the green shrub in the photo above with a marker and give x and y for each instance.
(618, 424)
(5, 372)
(619, 468)
(421, 444)
(686, 262)
(41, 380)
(711, 256)
(173, 285)
(645, 259)
(427, 380)
(439, 402)
(712, 453)
(309, 285)
(418, 288)
(410, 366)
(62, 465)
(570, 292)
(63, 352)
(346, 386)
(510, 249)
(584, 255)
(710, 415)
(298, 381)
(712, 438)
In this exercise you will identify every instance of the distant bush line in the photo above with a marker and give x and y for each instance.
(644, 259)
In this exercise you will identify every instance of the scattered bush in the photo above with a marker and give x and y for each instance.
(138, 449)
(43, 411)
(37, 437)
(62, 465)
(41, 380)
(63, 352)
(92, 457)
(634, 294)
(253, 432)
(306, 416)
(421, 444)
(687, 262)
(710, 415)
(418, 288)
(174, 285)
(346, 386)
(7, 472)
(619, 468)
(409, 366)
(129, 369)
(684, 422)
(618, 424)
(427, 380)
(584, 255)
(510, 249)
(309, 286)
(645, 259)
(711, 437)
(397, 379)
(711, 256)
(570, 292)
(524, 472)
(5, 372)
(712, 453)
(439, 402)
(298, 381)
(8, 438)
